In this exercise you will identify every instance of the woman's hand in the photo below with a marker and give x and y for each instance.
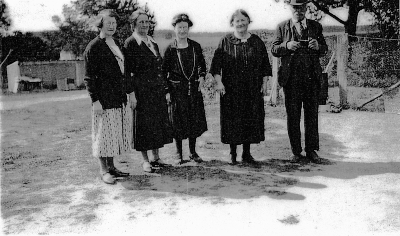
(264, 89)
(168, 98)
(201, 83)
(264, 86)
(220, 86)
(132, 100)
(97, 107)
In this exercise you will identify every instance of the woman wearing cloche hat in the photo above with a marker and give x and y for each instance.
(185, 68)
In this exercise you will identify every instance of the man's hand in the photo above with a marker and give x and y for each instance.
(293, 45)
(313, 44)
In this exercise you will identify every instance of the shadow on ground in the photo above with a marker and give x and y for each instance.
(273, 176)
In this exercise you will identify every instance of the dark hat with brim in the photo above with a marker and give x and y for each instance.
(181, 18)
(297, 2)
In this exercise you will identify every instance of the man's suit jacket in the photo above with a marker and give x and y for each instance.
(285, 33)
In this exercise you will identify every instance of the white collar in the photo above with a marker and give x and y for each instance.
(139, 38)
(303, 22)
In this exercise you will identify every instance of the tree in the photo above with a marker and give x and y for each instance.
(5, 19)
(77, 29)
(27, 47)
(386, 13)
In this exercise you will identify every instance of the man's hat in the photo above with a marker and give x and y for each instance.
(296, 2)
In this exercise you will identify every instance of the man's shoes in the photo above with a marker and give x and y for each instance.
(195, 157)
(158, 163)
(313, 157)
(147, 167)
(108, 178)
(117, 173)
(248, 159)
(297, 158)
(233, 159)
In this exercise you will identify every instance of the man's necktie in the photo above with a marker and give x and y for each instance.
(302, 30)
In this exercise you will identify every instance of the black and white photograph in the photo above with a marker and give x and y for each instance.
(212, 117)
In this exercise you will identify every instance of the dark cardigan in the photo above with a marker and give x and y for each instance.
(103, 77)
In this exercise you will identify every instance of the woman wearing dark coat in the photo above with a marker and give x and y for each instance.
(143, 64)
(241, 68)
(185, 68)
(105, 82)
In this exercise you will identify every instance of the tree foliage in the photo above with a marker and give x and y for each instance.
(5, 19)
(77, 29)
(386, 14)
(27, 47)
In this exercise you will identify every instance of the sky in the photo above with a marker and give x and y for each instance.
(207, 15)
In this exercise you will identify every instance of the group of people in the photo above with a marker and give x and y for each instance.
(144, 101)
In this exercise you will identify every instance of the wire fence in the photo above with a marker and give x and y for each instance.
(373, 62)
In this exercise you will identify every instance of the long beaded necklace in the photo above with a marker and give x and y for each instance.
(183, 71)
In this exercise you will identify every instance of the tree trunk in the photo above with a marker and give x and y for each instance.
(351, 24)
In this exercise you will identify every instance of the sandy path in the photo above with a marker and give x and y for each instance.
(18, 102)
(357, 195)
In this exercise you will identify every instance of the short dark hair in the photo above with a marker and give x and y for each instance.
(102, 14)
(181, 18)
(135, 15)
(239, 12)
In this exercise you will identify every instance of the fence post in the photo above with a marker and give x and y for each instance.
(274, 87)
(342, 59)
(79, 73)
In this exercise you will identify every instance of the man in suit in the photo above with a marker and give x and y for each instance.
(299, 43)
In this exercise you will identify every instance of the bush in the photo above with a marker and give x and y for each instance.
(374, 64)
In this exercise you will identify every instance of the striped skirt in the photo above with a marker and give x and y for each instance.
(112, 132)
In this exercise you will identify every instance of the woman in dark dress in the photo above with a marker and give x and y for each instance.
(143, 64)
(241, 68)
(185, 69)
(104, 79)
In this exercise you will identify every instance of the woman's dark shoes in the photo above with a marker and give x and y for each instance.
(195, 157)
(233, 159)
(117, 173)
(108, 178)
(178, 159)
(178, 162)
(297, 158)
(313, 157)
(248, 159)
(158, 163)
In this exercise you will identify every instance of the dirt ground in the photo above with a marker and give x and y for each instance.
(50, 183)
